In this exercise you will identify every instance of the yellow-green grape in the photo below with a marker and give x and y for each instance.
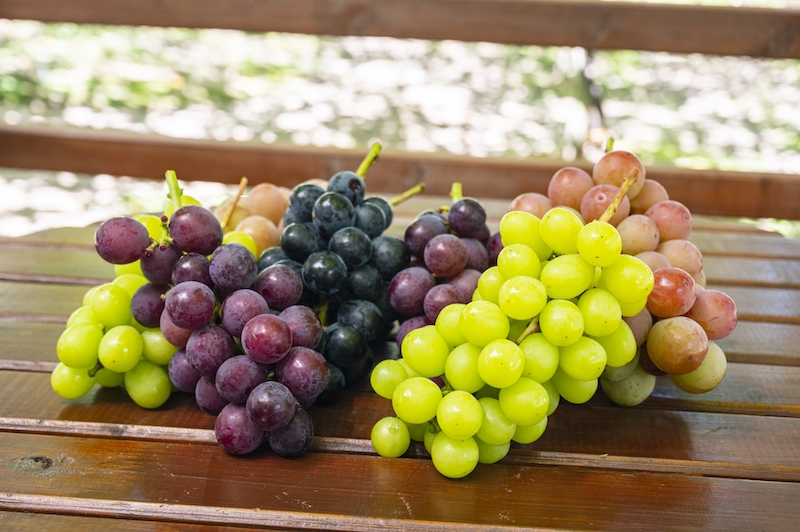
(599, 243)
(555, 397)
(476, 295)
(447, 324)
(629, 279)
(112, 305)
(541, 357)
(488, 391)
(483, 321)
(496, 428)
(522, 297)
(148, 384)
(71, 383)
(152, 223)
(454, 458)
(385, 377)
(109, 379)
(185, 200)
(461, 368)
(240, 237)
(525, 402)
(425, 351)
(567, 276)
(613, 374)
(78, 345)
(459, 414)
(561, 322)
(491, 454)
(620, 346)
(489, 284)
(428, 437)
(390, 437)
(631, 390)
(415, 400)
(632, 309)
(518, 259)
(82, 314)
(531, 433)
(583, 360)
(520, 227)
(708, 375)
(134, 268)
(601, 312)
(410, 372)
(87, 296)
(572, 390)
(501, 363)
(559, 230)
(130, 282)
(416, 431)
(121, 349)
(156, 348)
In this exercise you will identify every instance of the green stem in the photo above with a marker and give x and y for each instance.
(609, 144)
(456, 192)
(413, 191)
(371, 157)
(627, 183)
(532, 327)
(175, 191)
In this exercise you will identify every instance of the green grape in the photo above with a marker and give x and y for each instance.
(415, 400)
(134, 268)
(525, 402)
(599, 243)
(483, 321)
(620, 346)
(601, 312)
(87, 296)
(425, 351)
(461, 368)
(629, 279)
(496, 428)
(518, 259)
(632, 309)
(121, 349)
(138, 326)
(559, 230)
(459, 414)
(567, 276)
(112, 305)
(631, 390)
(529, 434)
(541, 357)
(522, 297)
(156, 348)
(385, 377)
(78, 345)
(109, 379)
(153, 224)
(185, 200)
(489, 284)
(561, 322)
(71, 383)
(491, 454)
(614, 374)
(148, 384)
(429, 436)
(454, 458)
(416, 431)
(390, 437)
(447, 324)
(501, 363)
(130, 282)
(82, 314)
(555, 397)
(575, 391)
(520, 227)
(240, 237)
(488, 391)
(583, 360)
(410, 372)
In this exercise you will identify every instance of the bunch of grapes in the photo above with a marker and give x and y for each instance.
(582, 296)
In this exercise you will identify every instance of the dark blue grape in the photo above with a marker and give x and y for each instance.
(270, 256)
(332, 211)
(370, 219)
(301, 201)
(345, 345)
(364, 315)
(383, 205)
(389, 256)
(298, 241)
(348, 184)
(335, 388)
(324, 272)
(352, 245)
(360, 370)
(364, 282)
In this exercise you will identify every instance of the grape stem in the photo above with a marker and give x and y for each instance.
(456, 192)
(371, 157)
(95, 369)
(609, 144)
(175, 191)
(232, 207)
(532, 327)
(411, 192)
(627, 183)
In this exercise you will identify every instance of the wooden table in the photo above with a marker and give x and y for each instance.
(729, 459)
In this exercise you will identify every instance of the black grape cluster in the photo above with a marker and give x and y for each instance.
(333, 238)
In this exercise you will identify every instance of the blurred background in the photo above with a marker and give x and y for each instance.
(477, 99)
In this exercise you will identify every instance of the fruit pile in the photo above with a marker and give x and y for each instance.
(595, 285)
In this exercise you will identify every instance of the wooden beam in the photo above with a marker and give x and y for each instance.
(721, 30)
(749, 194)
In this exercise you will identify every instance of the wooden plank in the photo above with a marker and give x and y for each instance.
(39, 302)
(29, 521)
(752, 245)
(764, 304)
(607, 25)
(763, 343)
(758, 272)
(64, 266)
(714, 192)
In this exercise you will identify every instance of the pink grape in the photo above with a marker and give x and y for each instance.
(716, 313)
(673, 219)
(673, 293)
(568, 186)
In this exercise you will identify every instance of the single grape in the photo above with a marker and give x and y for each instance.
(416, 399)
(615, 166)
(567, 276)
(195, 229)
(482, 322)
(298, 241)
(445, 255)
(518, 259)
(121, 240)
(682, 254)
(518, 227)
(238, 308)
(147, 304)
(333, 211)
(390, 437)
(620, 346)
(501, 363)
(233, 267)
(599, 243)
(631, 390)
(148, 384)
(208, 398)
(477, 255)
(628, 279)
(421, 231)
(601, 312)
(305, 325)
(383, 205)
(525, 402)
(294, 438)
(370, 219)
(408, 325)
(267, 200)
(181, 374)
(78, 345)
(466, 217)
(385, 377)
(541, 357)
(639, 233)
(389, 256)
(174, 334)
(425, 351)
(190, 305)
(271, 405)
(673, 219)
(324, 272)
(459, 414)
(408, 288)
(522, 297)
(715, 312)
(496, 428)
(674, 292)
(447, 323)
(237, 377)
(266, 338)
(235, 432)
(156, 348)
(452, 457)
(71, 382)
(192, 267)
(120, 349)
(583, 360)
(568, 186)
(280, 285)
(489, 284)
(111, 304)
(528, 434)
(677, 345)
(561, 322)
(158, 263)
(207, 348)
(302, 198)
(345, 346)
(305, 372)
(559, 229)
(533, 202)
(707, 376)
(573, 390)
(652, 192)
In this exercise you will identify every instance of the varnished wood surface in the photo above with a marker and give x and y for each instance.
(725, 460)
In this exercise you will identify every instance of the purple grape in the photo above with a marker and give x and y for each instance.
(494, 247)
(445, 255)
(173, 334)
(208, 398)
(409, 325)
(364, 315)
(195, 229)
(466, 217)
(266, 338)
(483, 235)
(147, 304)
(181, 374)
(294, 438)
(190, 305)
(408, 288)
(235, 432)
(233, 266)
(304, 324)
(389, 256)
(237, 377)
(121, 240)
(239, 307)
(439, 297)
(280, 285)
(466, 282)
(305, 372)
(271, 405)
(192, 267)
(420, 232)
(157, 265)
(207, 348)
(477, 255)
